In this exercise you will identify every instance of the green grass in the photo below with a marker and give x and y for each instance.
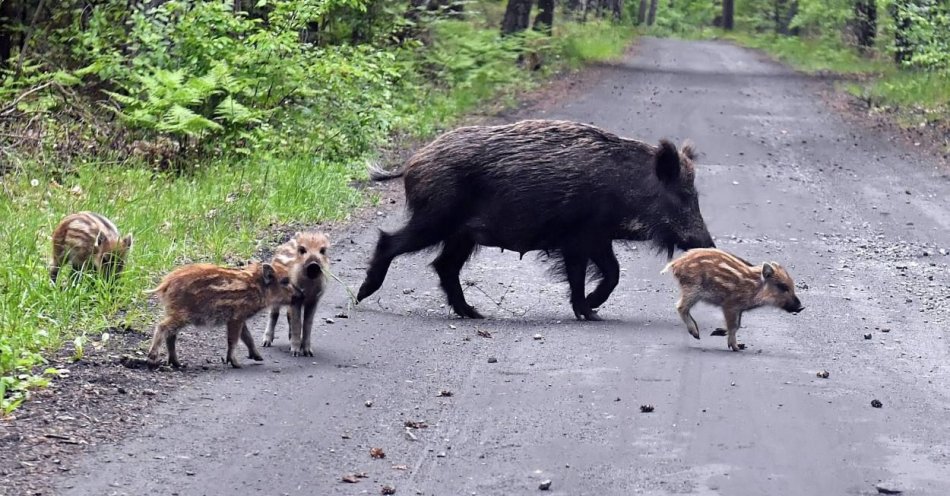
(226, 209)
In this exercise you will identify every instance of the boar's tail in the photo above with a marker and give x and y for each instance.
(667, 268)
(377, 173)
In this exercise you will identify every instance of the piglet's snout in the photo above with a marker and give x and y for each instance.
(313, 270)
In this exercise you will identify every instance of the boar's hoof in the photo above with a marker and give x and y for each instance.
(234, 363)
(267, 342)
(468, 311)
(589, 315)
(737, 347)
(256, 357)
(718, 332)
(153, 364)
(176, 364)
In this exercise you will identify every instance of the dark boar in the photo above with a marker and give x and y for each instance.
(305, 257)
(89, 240)
(566, 188)
(206, 295)
(725, 280)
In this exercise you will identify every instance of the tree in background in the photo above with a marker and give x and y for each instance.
(545, 17)
(517, 16)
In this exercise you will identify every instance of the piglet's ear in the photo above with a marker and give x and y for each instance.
(101, 239)
(667, 162)
(127, 241)
(269, 274)
(767, 271)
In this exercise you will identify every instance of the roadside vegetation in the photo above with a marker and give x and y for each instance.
(201, 127)
(895, 52)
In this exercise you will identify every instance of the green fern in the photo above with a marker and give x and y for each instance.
(182, 120)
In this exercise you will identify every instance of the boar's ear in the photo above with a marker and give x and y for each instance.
(689, 150)
(667, 162)
(269, 274)
(767, 271)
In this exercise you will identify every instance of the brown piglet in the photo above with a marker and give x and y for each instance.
(305, 257)
(89, 240)
(719, 278)
(207, 295)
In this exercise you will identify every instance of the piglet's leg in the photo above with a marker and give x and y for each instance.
(683, 306)
(295, 321)
(268, 339)
(732, 326)
(248, 341)
(234, 335)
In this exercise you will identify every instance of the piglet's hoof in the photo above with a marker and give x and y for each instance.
(718, 332)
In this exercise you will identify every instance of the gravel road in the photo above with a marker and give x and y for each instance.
(862, 224)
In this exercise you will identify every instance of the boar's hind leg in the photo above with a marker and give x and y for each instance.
(448, 265)
(413, 237)
(606, 262)
(685, 303)
(575, 265)
(248, 341)
(235, 327)
(165, 332)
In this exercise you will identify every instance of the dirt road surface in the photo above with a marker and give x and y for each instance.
(862, 223)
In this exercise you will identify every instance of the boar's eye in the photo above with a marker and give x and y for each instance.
(782, 287)
(323, 251)
(302, 250)
(285, 281)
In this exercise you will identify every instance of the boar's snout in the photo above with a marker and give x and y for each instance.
(794, 306)
(313, 270)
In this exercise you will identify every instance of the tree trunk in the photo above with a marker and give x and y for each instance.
(642, 13)
(545, 17)
(651, 16)
(517, 16)
(865, 23)
(728, 8)
(618, 9)
(903, 48)
(9, 37)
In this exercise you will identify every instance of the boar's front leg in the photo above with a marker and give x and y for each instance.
(274, 314)
(575, 264)
(732, 326)
(455, 252)
(606, 261)
(295, 322)
(248, 341)
(309, 310)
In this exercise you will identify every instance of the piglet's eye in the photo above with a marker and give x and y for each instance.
(782, 287)
(302, 250)
(285, 281)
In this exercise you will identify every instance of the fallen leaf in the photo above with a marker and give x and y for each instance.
(416, 424)
(354, 477)
(444, 393)
(483, 333)
(400, 467)
(377, 453)
(387, 489)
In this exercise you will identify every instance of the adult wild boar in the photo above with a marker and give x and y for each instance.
(566, 188)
